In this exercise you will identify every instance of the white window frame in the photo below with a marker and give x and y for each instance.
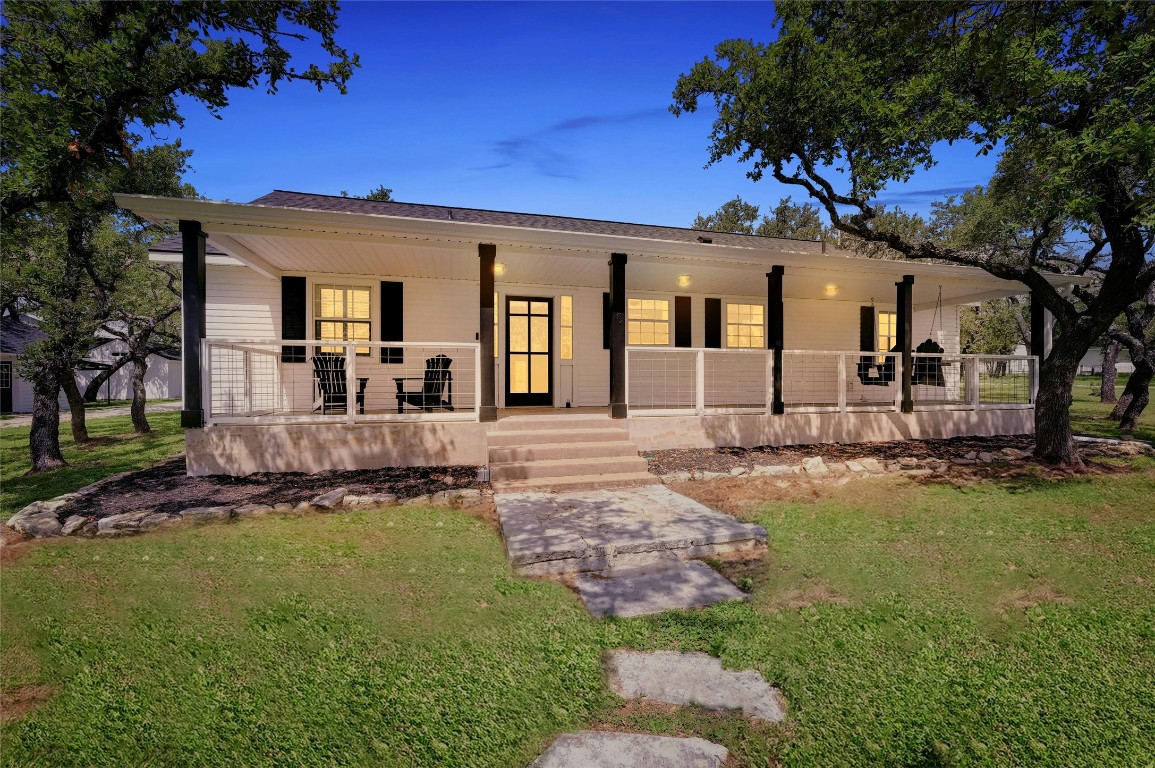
(878, 313)
(726, 323)
(668, 321)
(338, 281)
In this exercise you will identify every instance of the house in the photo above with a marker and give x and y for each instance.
(163, 379)
(332, 332)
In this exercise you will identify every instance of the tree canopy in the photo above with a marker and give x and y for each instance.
(855, 96)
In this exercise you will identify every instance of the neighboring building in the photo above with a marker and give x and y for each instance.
(163, 379)
(341, 332)
(1092, 362)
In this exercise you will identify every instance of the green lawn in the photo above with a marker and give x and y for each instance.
(1089, 416)
(117, 449)
(1009, 623)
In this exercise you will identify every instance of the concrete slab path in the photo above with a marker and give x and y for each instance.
(573, 532)
(665, 586)
(603, 749)
(692, 678)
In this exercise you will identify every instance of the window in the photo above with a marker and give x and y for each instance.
(887, 332)
(744, 327)
(648, 322)
(566, 327)
(341, 313)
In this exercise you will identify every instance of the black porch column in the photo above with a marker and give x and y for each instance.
(487, 409)
(905, 330)
(192, 320)
(775, 327)
(617, 335)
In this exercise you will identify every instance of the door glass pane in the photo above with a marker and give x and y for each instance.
(539, 340)
(519, 307)
(518, 333)
(567, 343)
(539, 374)
(566, 311)
(519, 374)
(539, 307)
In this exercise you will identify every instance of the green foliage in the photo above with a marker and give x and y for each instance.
(906, 625)
(992, 328)
(114, 449)
(735, 216)
(787, 219)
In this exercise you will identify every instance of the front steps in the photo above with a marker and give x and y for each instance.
(559, 452)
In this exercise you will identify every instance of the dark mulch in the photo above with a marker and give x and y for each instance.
(166, 488)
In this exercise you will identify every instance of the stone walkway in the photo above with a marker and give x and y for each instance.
(601, 749)
(667, 585)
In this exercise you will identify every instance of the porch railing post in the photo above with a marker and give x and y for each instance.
(205, 376)
(350, 384)
(477, 381)
(700, 382)
(769, 393)
(841, 382)
(976, 386)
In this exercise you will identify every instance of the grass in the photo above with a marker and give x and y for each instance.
(1089, 416)
(115, 449)
(1007, 623)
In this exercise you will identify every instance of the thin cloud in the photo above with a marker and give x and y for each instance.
(923, 195)
(547, 152)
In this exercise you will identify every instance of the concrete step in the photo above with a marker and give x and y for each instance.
(545, 451)
(553, 422)
(575, 483)
(664, 586)
(593, 465)
(559, 435)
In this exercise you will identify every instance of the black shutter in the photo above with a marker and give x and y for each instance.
(606, 321)
(293, 317)
(682, 326)
(392, 320)
(866, 329)
(714, 323)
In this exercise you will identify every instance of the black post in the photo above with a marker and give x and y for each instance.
(192, 320)
(905, 331)
(617, 335)
(775, 336)
(487, 409)
(1038, 327)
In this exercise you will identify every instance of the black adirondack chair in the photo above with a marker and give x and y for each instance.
(329, 375)
(436, 391)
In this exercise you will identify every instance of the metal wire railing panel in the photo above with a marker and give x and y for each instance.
(661, 379)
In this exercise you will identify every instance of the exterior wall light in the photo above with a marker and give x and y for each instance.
(831, 290)
(498, 268)
(684, 281)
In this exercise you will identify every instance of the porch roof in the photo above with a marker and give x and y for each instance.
(287, 232)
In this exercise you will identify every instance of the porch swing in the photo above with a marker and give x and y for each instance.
(928, 370)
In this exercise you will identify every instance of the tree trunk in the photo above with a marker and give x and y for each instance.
(76, 406)
(1124, 400)
(139, 396)
(1054, 441)
(92, 391)
(1139, 388)
(1110, 373)
(44, 439)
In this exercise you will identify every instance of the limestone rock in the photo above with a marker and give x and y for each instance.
(159, 520)
(72, 524)
(972, 455)
(331, 500)
(738, 471)
(872, 465)
(917, 472)
(603, 749)
(253, 510)
(125, 521)
(815, 466)
(692, 679)
(855, 466)
(371, 500)
(37, 519)
(417, 501)
(708, 475)
(206, 514)
(986, 457)
(907, 462)
(283, 508)
(837, 468)
(772, 470)
(681, 476)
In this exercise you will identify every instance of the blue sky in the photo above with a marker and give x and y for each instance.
(557, 108)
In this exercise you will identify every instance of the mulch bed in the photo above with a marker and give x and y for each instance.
(166, 488)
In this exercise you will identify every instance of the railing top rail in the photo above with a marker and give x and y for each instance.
(328, 343)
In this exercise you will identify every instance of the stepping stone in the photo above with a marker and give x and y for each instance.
(692, 678)
(664, 586)
(602, 749)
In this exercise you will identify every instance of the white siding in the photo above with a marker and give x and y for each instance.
(241, 303)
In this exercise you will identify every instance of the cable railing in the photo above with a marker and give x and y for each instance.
(296, 381)
(678, 380)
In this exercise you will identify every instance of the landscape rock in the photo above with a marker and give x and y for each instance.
(708, 475)
(371, 500)
(72, 524)
(330, 500)
(772, 470)
(681, 476)
(855, 466)
(986, 457)
(837, 468)
(206, 514)
(907, 462)
(686, 679)
(738, 471)
(604, 749)
(917, 472)
(37, 519)
(417, 501)
(872, 465)
(815, 466)
(159, 520)
(972, 455)
(253, 510)
(283, 508)
(125, 521)
(965, 462)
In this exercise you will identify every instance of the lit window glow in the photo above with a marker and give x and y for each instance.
(744, 326)
(648, 322)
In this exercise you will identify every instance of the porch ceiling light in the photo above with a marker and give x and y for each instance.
(498, 268)
(831, 290)
(684, 281)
